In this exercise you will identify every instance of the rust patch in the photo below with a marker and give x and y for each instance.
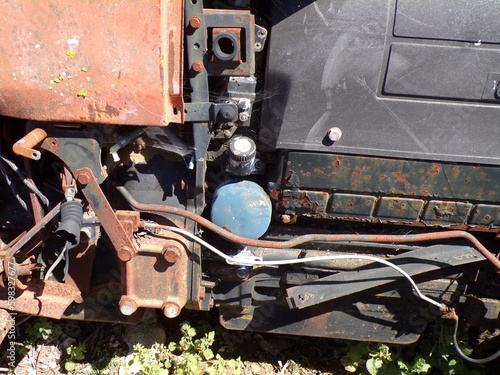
(356, 172)
(275, 194)
(401, 178)
(58, 54)
(382, 177)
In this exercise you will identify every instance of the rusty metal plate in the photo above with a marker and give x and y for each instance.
(5, 324)
(44, 298)
(90, 61)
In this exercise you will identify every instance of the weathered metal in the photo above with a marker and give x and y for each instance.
(115, 63)
(421, 237)
(388, 190)
(349, 282)
(76, 147)
(6, 322)
(122, 240)
(363, 318)
(9, 257)
(42, 297)
(158, 276)
(24, 147)
(81, 261)
(242, 24)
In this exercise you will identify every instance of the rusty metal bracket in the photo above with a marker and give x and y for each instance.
(24, 147)
(76, 148)
(114, 228)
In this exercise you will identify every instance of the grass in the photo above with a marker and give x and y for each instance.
(203, 347)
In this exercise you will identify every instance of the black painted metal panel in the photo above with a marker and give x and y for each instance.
(327, 66)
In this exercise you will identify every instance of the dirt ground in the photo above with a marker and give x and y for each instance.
(107, 344)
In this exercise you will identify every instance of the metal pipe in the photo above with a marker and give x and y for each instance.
(422, 237)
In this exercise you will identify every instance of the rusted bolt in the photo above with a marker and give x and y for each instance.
(127, 306)
(195, 22)
(197, 67)
(334, 134)
(286, 219)
(84, 176)
(125, 253)
(171, 253)
(171, 310)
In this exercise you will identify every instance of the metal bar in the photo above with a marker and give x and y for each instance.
(369, 276)
(31, 233)
(119, 237)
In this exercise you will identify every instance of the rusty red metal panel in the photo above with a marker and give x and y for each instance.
(114, 62)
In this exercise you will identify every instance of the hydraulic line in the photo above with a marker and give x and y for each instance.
(246, 261)
(479, 361)
(422, 237)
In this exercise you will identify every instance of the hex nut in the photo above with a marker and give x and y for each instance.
(84, 177)
(197, 66)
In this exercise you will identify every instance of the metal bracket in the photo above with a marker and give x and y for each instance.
(216, 112)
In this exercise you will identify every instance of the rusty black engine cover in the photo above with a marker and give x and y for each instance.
(413, 86)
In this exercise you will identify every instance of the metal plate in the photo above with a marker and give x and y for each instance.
(92, 61)
(327, 66)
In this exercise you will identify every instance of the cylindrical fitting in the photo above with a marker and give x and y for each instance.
(125, 253)
(127, 306)
(334, 134)
(71, 222)
(242, 152)
(171, 310)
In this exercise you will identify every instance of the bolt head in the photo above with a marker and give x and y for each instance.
(195, 22)
(84, 177)
(334, 134)
(171, 253)
(197, 66)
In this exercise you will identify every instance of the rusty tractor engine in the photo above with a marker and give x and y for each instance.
(320, 168)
